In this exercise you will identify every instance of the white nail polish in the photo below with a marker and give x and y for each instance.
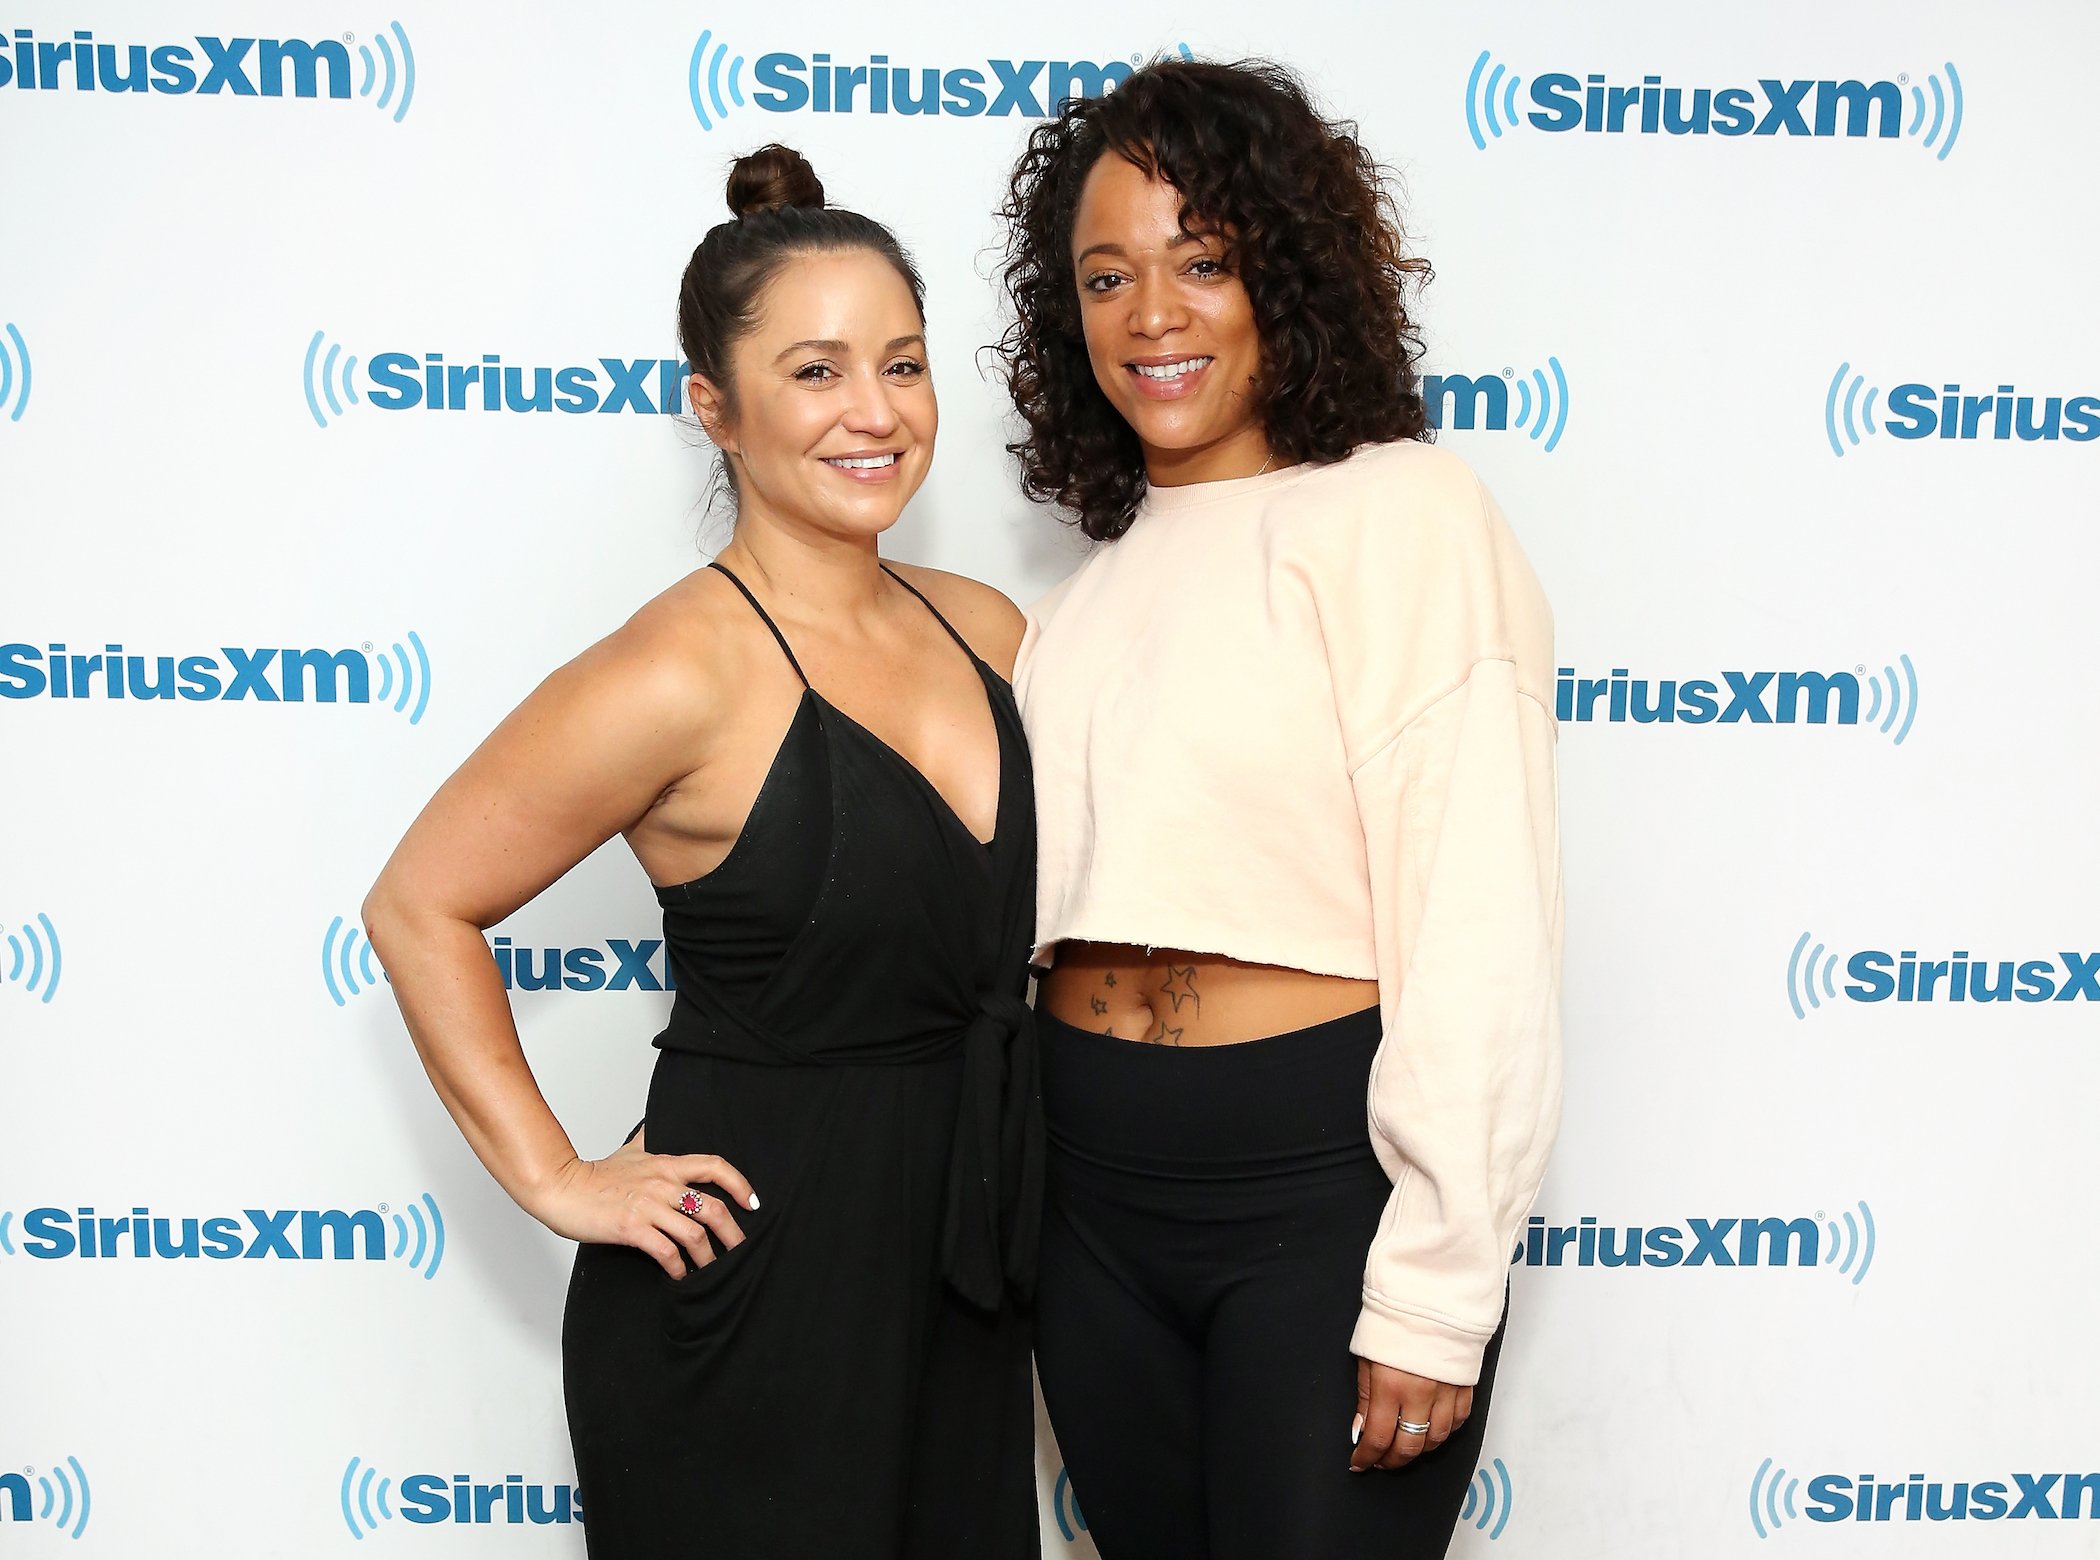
(754, 1202)
(1356, 1431)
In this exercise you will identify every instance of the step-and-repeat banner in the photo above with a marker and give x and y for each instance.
(339, 402)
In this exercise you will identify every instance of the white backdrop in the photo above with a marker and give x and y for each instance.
(1722, 483)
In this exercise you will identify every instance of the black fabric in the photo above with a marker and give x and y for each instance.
(1209, 1209)
(853, 1380)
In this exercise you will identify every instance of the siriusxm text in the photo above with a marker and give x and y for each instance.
(1835, 1497)
(1755, 698)
(1880, 976)
(265, 674)
(253, 1234)
(1030, 89)
(619, 965)
(1922, 411)
(1769, 106)
(1720, 1243)
(404, 381)
(207, 67)
(432, 1497)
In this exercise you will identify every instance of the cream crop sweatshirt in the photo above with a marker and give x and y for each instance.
(1304, 719)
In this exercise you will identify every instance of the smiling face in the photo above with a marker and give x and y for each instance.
(1169, 328)
(834, 414)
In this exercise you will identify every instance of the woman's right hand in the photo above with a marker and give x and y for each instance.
(632, 1198)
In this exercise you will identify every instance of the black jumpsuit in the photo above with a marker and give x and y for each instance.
(852, 1381)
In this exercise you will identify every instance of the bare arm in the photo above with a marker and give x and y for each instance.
(585, 757)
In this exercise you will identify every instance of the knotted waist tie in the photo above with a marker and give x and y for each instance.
(990, 1228)
(990, 1223)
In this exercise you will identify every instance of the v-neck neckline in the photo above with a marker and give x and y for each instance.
(984, 675)
(946, 807)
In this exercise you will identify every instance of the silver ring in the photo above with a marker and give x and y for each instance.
(1408, 1427)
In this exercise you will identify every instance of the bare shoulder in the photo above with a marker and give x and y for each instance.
(678, 661)
(981, 613)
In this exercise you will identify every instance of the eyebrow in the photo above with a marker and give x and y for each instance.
(839, 347)
(1182, 238)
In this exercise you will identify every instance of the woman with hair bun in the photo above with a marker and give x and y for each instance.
(1300, 890)
(797, 1324)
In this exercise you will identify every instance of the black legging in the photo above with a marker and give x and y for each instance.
(1202, 1266)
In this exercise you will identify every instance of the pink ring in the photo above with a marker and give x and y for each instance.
(690, 1204)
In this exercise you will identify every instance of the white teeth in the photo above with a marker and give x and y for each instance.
(862, 463)
(1171, 370)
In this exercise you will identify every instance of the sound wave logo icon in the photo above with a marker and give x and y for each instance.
(1946, 110)
(1856, 413)
(409, 689)
(364, 1512)
(1767, 1486)
(34, 959)
(1463, 401)
(1551, 405)
(66, 1500)
(712, 64)
(1491, 99)
(324, 373)
(1488, 1499)
(1065, 1507)
(1804, 974)
(397, 87)
(346, 953)
(1858, 1245)
(429, 1235)
(14, 372)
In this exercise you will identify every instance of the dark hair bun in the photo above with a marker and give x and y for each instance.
(772, 177)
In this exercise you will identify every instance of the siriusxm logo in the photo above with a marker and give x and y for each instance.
(367, 1499)
(1752, 698)
(1922, 411)
(349, 967)
(34, 960)
(229, 67)
(268, 674)
(14, 372)
(1877, 975)
(1482, 401)
(1844, 1244)
(1770, 107)
(1065, 1507)
(289, 1234)
(785, 83)
(404, 381)
(1489, 1499)
(1839, 1497)
(65, 1497)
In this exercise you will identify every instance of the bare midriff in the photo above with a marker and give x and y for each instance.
(1162, 996)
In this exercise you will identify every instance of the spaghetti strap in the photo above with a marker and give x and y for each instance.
(778, 637)
(930, 607)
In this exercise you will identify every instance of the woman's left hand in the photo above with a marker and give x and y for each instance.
(1384, 1398)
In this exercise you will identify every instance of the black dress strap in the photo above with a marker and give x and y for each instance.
(930, 607)
(778, 637)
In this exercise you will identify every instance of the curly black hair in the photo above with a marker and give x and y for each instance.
(1311, 228)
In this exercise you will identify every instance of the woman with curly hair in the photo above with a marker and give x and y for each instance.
(1295, 781)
